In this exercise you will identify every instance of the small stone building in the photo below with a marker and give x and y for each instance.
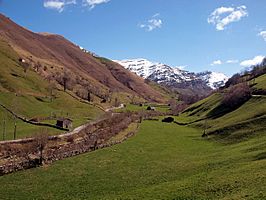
(22, 60)
(64, 123)
(151, 108)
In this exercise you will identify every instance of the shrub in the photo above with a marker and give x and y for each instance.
(168, 119)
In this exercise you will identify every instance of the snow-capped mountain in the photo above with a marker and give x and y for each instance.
(171, 76)
(213, 79)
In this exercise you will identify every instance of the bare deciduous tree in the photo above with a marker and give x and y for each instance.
(65, 79)
(4, 124)
(52, 90)
(41, 140)
(25, 66)
(15, 108)
(116, 102)
(38, 66)
(89, 96)
(132, 99)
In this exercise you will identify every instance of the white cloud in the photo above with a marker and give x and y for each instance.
(58, 5)
(263, 35)
(255, 61)
(223, 16)
(232, 61)
(93, 3)
(156, 15)
(53, 4)
(152, 23)
(216, 62)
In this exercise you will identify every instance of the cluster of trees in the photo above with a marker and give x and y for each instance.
(256, 71)
(177, 107)
(191, 98)
(78, 84)
(236, 95)
(68, 80)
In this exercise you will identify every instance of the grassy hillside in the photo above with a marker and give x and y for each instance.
(28, 95)
(163, 161)
(230, 125)
(167, 94)
(260, 82)
(59, 58)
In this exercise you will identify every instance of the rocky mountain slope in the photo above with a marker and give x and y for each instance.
(173, 76)
(54, 57)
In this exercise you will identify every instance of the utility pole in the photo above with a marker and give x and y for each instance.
(4, 126)
(15, 127)
(205, 129)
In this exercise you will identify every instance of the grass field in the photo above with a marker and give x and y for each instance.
(28, 106)
(163, 161)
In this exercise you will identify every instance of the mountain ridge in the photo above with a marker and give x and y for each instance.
(58, 55)
(165, 74)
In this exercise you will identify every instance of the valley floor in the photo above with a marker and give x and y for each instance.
(163, 161)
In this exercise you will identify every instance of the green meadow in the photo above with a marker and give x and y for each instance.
(163, 161)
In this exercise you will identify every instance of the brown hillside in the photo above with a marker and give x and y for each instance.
(64, 55)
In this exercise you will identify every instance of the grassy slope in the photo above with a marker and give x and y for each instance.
(171, 164)
(242, 123)
(167, 94)
(261, 82)
(32, 97)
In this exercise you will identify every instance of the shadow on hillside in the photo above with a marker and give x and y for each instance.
(260, 156)
(222, 110)
(241, 131)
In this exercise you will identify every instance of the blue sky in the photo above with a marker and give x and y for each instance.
(217, 35)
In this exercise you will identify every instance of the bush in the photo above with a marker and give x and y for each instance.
(168, 119)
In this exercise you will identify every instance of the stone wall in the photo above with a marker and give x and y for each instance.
(27, 153)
